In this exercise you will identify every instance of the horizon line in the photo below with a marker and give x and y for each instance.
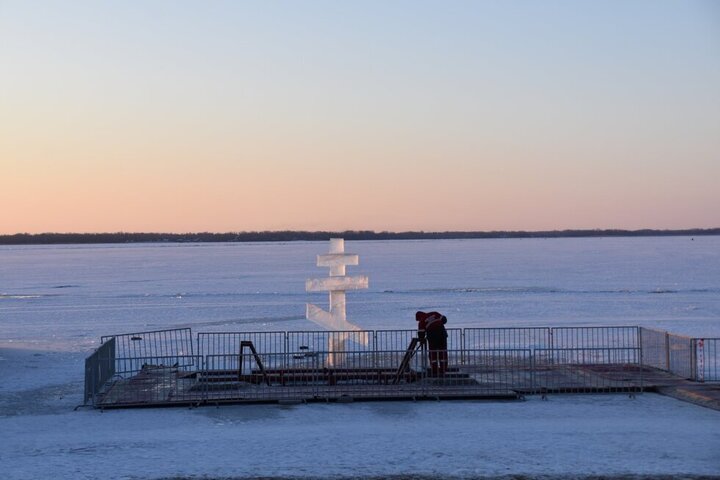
(320, 235)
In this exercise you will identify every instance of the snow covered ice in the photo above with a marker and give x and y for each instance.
(56, 302)
(566, 435)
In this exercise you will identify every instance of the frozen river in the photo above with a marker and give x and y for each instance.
(56, 301)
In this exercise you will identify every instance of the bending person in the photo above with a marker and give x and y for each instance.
(431, 328)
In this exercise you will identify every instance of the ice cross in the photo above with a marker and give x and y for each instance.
(337, 283)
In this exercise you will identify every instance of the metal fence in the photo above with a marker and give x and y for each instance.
(155, 367)
(152, 381)
(156, 380)
(156, 343)
(673, 353)
(682, 356)
(498, 369)
(708, 359)
(393, 339)
(316, 364)
(226, 343)
(99, 369)
(577, 370)
(303, 345)
(307, 343)
(521, 337)
(594, 337)
(655, 351)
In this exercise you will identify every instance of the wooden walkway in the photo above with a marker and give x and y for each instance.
(168, 386)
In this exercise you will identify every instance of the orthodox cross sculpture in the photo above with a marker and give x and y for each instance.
(337, 283)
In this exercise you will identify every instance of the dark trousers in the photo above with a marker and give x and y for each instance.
(437, 344)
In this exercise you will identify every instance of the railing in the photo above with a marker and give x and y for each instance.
(594, 337)
(673, 353)
(150, 381)
(589, 356)
(305, 343)
(708, 359)
(655, 349)
(156, 343)
(229, 342)
(576, 370)
(480, 361)
(521, 337)
(311, 343)
(499, 369)
(393, 339)
(298, 342)
(99, 369)
(155, 380)
(682, 356)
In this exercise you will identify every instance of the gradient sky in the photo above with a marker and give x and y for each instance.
(390, 115)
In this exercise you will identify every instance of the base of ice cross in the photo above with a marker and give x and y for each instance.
(337, 344)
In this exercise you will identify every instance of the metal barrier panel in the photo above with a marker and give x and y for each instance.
(669, 352)
(392, 340)
(595, 356)
(229, 378)
(364, 378)
(708, 359)
(228, 343)
(682, 356)
(400, 339)
(455, 339)
(318, 344)
(99, 368)
(591, 369)
(594, 337)
(154, 380)
(507, 338)
(318, 341)
(487, 372)
(333, 365)
(157, 343)
(655, 351)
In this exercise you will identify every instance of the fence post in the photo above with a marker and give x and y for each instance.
(667, 352)
(93, 382)
(532, 370)
(693, 359)
(207, 383)
(286, 352)
(198, 345)
(642, 371)
(376, 363)
(551, 344)
(701, 356)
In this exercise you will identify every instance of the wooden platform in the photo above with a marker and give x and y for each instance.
(703, 394)
(168, 386)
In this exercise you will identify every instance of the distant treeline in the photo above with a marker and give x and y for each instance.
(290, 236)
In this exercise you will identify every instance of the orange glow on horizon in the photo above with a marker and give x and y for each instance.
(238, 119)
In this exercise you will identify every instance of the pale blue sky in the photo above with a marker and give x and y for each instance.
(211, 115)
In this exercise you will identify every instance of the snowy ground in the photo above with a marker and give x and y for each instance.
(567, 435)
(55, 302)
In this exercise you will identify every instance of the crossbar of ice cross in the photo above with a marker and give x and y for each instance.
(331, 284)
(337, 259)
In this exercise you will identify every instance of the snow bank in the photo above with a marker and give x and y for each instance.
(566, 435)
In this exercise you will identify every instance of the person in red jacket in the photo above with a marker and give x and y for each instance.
(431, 328)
